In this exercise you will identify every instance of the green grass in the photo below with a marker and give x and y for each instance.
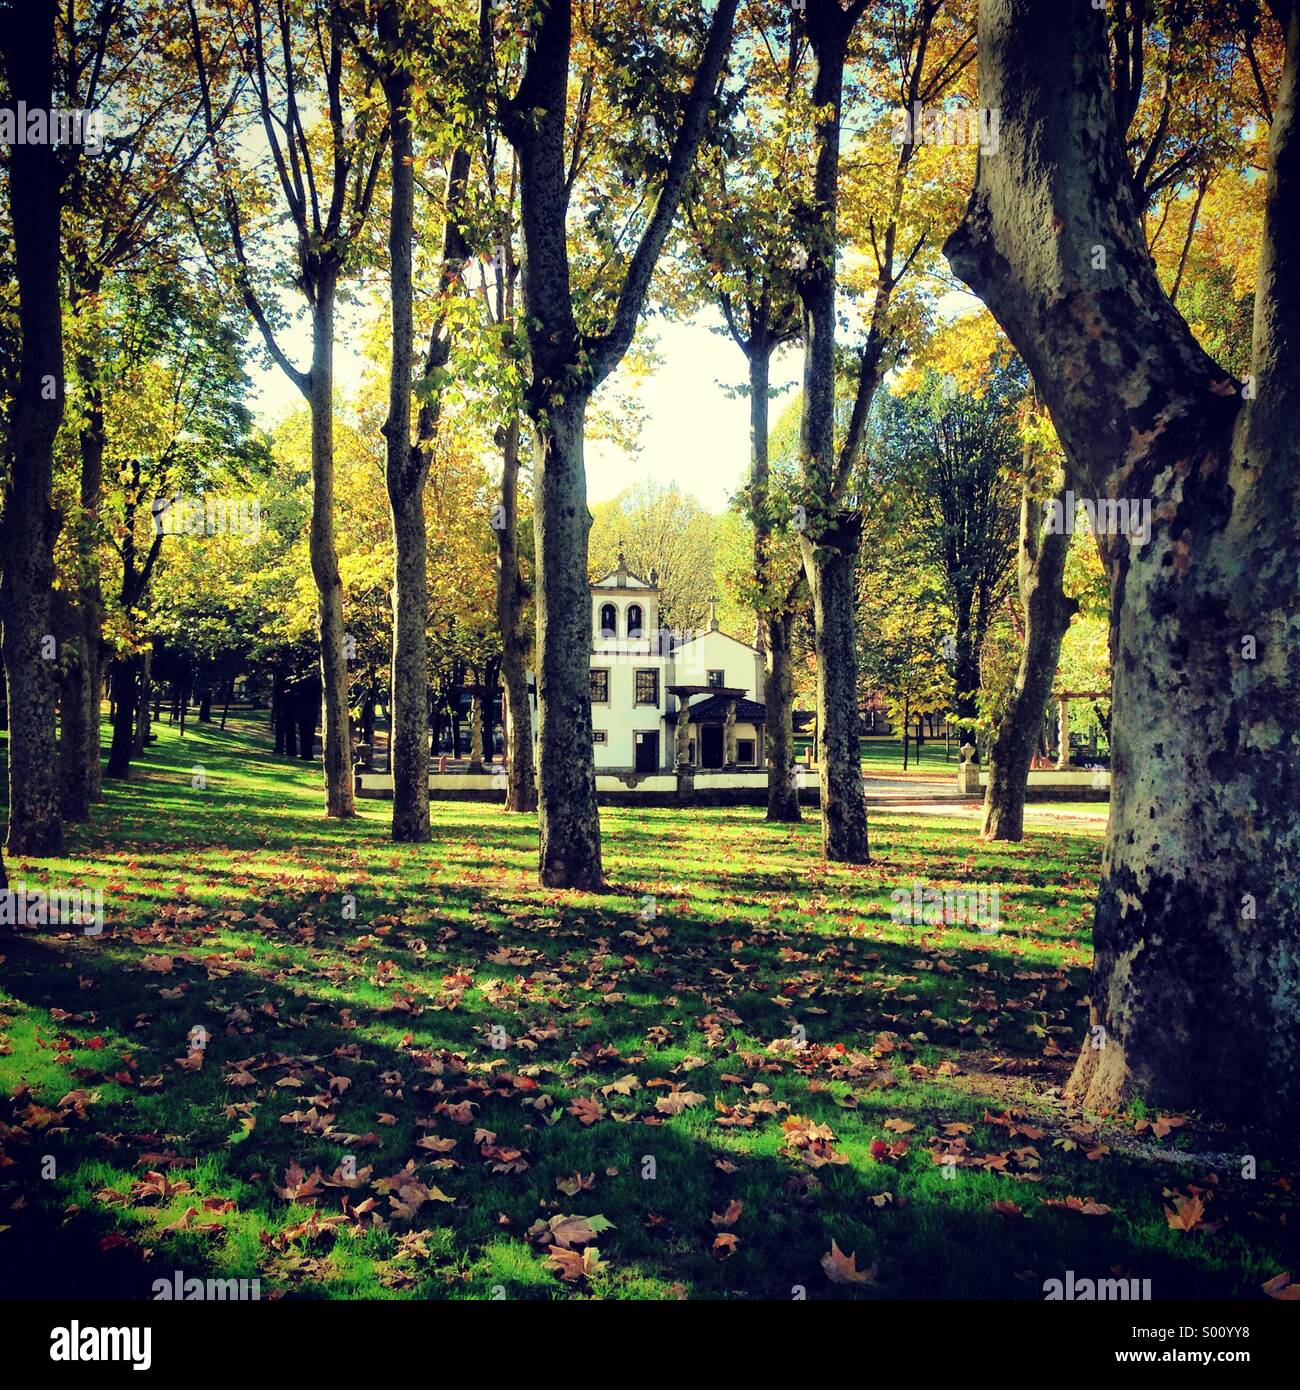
(882, 756)
(461, 1002)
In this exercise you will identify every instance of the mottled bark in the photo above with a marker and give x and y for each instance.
(568, 819)
(831, 567)
(74, 712)
(1047, 614)
(511, 596)
(1196, 983)
(30, 522)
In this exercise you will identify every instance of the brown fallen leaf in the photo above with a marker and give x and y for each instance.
(840, 1268)
(572, 1266)
(730, 1216)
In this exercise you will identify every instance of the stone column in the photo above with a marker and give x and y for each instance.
(682, 738)
(729, 737)
(476, 734)
(682, 741)
(1063, 736)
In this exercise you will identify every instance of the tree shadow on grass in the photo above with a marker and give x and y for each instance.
(935, 1239)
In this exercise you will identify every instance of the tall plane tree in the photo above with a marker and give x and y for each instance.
(30, 522)
(407, 462)
(326, 180)
(118, 207)
(1047, 611)
(741, 218)
(1196, 976)
(926, 70)
(566, 365)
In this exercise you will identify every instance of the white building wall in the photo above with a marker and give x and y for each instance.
(741, 665)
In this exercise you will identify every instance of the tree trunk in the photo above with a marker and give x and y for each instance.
(778, 691)
(1196, 982)
(830, 542)
(30, 522)
(1047, 613)
(776, 620)
(511, 596)
(568, 818)
(308, 715)
(74, 705)
(140, 737)
(126, 683)
(830, 565)
(408, 734)
(339, 798)
(80, 772)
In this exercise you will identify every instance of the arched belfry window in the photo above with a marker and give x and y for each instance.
(634, 620)
(608, 620)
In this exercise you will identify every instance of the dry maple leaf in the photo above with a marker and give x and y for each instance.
(1280, 1286)
(571, 1266)
(724, 1244)
(585, 1110)
(1185, 1214)
(569, 1231)
(677, 1101)
(840, 1268)
(298, 1187)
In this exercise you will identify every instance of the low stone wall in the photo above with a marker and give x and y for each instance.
(1048, 784)
(653, 789)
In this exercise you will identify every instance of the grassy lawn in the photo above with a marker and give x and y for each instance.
(882, 756)
(421, 1069)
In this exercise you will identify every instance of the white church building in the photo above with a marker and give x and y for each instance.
(664, 701)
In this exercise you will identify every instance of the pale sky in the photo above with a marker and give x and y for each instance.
(694, 434)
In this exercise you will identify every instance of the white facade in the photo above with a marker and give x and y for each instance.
(633, 664)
